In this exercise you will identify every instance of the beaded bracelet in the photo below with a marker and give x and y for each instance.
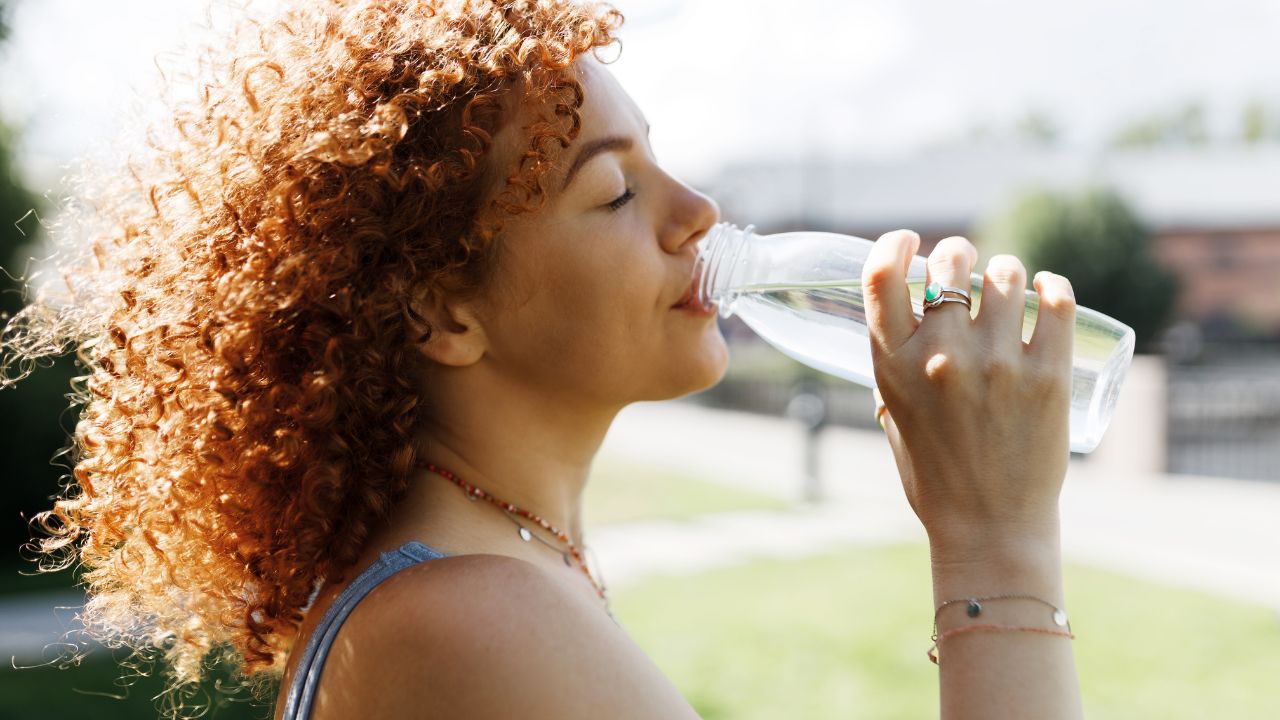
(991, 628)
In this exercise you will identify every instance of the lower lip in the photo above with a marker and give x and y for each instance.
(697, 309)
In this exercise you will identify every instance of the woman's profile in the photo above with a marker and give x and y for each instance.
(355, 321)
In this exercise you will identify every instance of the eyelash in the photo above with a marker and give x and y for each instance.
(622, 199)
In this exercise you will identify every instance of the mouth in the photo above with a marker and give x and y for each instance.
(691, 300)
(688, 294)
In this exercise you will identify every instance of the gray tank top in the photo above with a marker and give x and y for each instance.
(302, 688)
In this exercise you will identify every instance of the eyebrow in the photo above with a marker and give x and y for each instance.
(593, 148)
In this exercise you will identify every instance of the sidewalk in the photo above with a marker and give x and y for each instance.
(1210, 534)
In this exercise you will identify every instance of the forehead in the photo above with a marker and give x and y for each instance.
(606, 109)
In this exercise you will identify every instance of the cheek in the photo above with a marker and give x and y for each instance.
(611, 290)
(585, 321)
(606, 314)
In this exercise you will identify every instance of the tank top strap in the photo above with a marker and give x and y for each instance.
(306, 676)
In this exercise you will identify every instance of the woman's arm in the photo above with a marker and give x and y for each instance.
(978, 422)
(1003, 675)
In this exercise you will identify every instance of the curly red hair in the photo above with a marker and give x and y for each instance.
(245, 306)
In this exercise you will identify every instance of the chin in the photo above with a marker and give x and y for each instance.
(696, 372)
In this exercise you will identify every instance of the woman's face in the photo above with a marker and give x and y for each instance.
(583, 301)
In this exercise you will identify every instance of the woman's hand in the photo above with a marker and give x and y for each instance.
(977, 419)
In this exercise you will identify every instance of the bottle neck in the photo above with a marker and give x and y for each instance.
(721, 254)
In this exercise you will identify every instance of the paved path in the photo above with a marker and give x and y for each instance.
(1211, 534)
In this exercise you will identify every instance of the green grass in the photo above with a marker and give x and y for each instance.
(844, 636)
(622, 492)
(841, 635)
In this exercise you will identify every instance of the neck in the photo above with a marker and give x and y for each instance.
(517, 445)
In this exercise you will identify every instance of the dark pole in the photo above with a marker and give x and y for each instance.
(809, 405)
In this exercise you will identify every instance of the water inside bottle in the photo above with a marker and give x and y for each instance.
(824, 325)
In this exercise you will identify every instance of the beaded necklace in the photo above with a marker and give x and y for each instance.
(474, 493)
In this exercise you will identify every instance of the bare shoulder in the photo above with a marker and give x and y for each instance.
(484, 636)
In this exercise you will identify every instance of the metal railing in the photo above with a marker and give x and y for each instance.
(1224, 416)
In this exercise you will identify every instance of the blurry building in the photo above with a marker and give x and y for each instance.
(1215, 218)
(1214, 212)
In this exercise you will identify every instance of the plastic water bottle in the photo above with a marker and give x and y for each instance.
(802, 293)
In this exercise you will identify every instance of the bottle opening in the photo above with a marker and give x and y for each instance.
(718, 254)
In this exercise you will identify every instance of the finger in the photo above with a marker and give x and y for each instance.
(886, 422)
(951, 264)
(890, 319)
(1003, 305)
(890, 427)
(1053, 342)
(891, 431)
(881, 412)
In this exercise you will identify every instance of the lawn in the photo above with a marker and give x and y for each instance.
(624, 492)
(844, 636)
(841, 635)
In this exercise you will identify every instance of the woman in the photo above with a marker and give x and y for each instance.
(359, 329)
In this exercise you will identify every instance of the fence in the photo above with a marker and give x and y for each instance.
(1224, 416)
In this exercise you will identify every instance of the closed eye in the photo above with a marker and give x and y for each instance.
(621, 200)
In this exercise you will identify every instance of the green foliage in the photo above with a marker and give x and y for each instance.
(1095, 241)
(1259, 123)
(1184, 126)
(1253, 123)
(32, 424)
(1039, 129)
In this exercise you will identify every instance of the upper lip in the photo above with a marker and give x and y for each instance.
(689, 291)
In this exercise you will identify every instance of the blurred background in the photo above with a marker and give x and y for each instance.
(754, 536)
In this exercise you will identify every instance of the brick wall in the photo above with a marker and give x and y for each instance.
(1229, 272)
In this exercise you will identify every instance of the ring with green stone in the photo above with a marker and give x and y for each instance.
(933, 295)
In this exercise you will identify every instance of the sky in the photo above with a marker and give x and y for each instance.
(724, 81)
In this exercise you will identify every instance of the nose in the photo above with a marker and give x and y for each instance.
(692, 215)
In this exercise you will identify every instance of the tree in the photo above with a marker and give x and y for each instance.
(34, 422)
(1094, 240)
(1256, 123)
(1038, 128)
(1185, 126)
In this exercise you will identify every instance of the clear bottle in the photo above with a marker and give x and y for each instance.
(802, 293)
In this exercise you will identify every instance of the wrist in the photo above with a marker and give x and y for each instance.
(1022, 562)
(995, 543)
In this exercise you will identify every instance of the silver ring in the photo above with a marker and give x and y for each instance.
(948, 299)
(938, 290)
